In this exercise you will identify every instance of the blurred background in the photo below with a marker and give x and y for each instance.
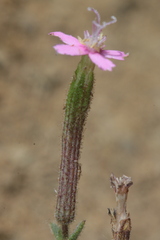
(122, 134)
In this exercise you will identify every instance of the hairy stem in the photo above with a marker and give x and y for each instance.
(76, 109)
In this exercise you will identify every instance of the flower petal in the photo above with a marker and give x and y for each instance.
(70, 50)
(68, 39)
(114, 54)
(101, 62)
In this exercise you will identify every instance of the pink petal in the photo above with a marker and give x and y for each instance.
(101, 62)
(68, 39)
(114, 54)
(70, 50)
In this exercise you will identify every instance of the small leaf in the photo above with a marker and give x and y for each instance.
(77, 231)
(56, 230)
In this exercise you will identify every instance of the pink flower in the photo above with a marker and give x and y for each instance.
(92, 45)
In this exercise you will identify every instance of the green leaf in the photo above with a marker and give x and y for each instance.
(77, 231)
(56, 231)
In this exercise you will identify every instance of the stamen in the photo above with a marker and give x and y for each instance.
(101, 41)
(86, 34)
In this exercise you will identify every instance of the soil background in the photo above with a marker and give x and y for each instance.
(122, 134)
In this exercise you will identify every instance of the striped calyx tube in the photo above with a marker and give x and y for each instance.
(76, 109)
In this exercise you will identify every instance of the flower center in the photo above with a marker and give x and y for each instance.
(95, 41)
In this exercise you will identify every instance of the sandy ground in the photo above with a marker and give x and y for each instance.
(122, 132)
